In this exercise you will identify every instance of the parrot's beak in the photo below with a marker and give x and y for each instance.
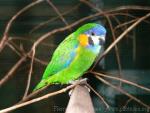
(97, 40)
(101, 40)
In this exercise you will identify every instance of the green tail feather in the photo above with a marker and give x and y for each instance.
(40, 85)
(45, 82)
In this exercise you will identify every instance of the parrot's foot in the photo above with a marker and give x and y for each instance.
(70, 92)
(87, 88)
(82, 82)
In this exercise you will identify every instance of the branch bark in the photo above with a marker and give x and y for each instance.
(80, 101)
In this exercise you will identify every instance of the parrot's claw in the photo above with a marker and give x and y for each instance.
(87, 88)
(70, 92)
(81, 81)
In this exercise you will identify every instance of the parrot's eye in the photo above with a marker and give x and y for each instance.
(92, 33)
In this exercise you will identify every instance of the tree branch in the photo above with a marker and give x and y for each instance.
(80, 101)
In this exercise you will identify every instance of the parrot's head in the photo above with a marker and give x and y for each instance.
(91, 35)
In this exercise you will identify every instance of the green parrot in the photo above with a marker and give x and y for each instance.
(74, 56)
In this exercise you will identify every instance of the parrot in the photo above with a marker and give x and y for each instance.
(74, 55)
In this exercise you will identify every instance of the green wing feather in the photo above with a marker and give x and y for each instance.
(62, 56)
(60, 60)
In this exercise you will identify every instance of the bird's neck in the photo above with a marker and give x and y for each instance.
(95, 48)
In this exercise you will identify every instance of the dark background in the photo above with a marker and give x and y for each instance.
(134, 59)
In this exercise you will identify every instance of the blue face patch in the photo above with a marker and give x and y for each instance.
(97, 30)
(95, 49)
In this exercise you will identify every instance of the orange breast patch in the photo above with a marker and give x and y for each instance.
(83, 39)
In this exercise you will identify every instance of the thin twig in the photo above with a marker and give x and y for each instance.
(134, 7)
(39, 98)
(5, 35)
(128, 15)
(122, 80)
(58, 12)
(118, 22)
(22, 53)
(29, 75)
(102, 98)
(13, 49)
(116, 48)
(12, 70)
(123, 92)
(12, 39)
(33, 94)
(125, 23)
(127, 102)
(53, 19)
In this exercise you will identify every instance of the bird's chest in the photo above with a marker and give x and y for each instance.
(86, 56)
